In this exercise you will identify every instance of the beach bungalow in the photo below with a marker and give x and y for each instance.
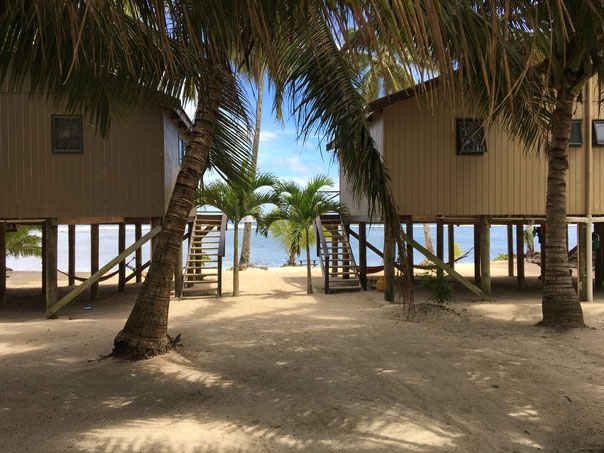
(447, 169)
(55, 168)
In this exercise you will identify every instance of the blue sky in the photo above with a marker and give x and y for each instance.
(280, 153)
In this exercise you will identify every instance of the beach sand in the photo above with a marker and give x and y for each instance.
(277, 370)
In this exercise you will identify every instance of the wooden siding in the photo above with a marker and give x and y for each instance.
(171, 163)
(121, 176)
(430, 179)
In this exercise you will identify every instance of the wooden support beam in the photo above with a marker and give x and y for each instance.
(94, 260)
(363, 254)
(50, 262)
(136, 272)
(121, 246)
(581, 261)
(477, 279)
(599, 275)
(485, 254)
(98, 274)
(138, 259)
(451, 244)
(2, 263)
(510, 251)
(440, 243)
(71, 251)
(444, 266)
(409, 231)
(389, 257)
(520, 255)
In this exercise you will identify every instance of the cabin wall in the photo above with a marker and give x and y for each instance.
(118, 176)
(430, 179)
(171, 158)
(360, 207)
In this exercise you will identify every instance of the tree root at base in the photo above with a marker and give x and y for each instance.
(130, 347)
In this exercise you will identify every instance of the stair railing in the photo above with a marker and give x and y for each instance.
(322, 251)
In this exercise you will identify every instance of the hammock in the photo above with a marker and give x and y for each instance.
(376, 269)
(104, 277)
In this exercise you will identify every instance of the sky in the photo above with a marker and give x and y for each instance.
(280, 152)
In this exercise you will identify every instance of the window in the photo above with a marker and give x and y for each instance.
(597, 132)
(66, 133)
(181, 150)
(470, 136)
(576, 133)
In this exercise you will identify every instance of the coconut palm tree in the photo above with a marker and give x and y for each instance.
(238, 202)
(300, 206)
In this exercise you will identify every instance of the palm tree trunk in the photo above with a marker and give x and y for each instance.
(236, 259)
(247, 228)
(308, 271)
(560, 304)
(428, 238)
(145, 333)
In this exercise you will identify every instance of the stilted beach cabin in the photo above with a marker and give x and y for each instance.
(55, 168)
(446, 168)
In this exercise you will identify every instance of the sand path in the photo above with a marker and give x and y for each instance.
(277, 370)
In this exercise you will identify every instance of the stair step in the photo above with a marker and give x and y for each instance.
(198, 282)
(202, 274)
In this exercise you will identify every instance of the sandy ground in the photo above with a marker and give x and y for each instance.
(277, 370)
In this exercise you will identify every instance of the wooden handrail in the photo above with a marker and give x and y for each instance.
(223, 228)
(321, 233)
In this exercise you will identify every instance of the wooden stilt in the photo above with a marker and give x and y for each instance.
(510, 251)
(451, 244)
(477, 254)
(363, 254)
(121, 246)
(155, 221)
(485, 252)
(43, 261)
(71, 251)
(409, 246)
(599, 276)
(389, 257)
(520, 255)
(543, 252)
(139, 253)
(94, 260)
(440, 243)
(2, 263)
(581, 261)
(50, 263)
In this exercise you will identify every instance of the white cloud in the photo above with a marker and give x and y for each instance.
(266, 136)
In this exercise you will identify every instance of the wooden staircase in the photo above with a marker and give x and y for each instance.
(335, 254)
(203, 271)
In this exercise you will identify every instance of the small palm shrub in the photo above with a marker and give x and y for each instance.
(441, 291)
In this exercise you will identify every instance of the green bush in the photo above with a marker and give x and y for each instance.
(441, 291)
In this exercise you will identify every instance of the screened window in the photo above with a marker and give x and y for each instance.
(576, 133)
(66, 133)
(598, 132)
(470, 137)
(182, 146)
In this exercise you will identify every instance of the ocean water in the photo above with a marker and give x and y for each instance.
(264, 251)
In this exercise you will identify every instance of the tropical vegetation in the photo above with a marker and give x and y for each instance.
(26, 241)
(519, 60)
(237, 202)
(299, 207)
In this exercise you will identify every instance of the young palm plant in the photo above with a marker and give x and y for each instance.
(289, 239)
(24, 242)
(300, 206)
(237, 202)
